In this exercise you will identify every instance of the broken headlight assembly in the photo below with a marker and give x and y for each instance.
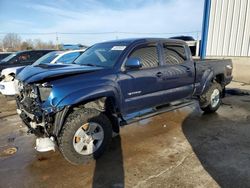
(44, 91)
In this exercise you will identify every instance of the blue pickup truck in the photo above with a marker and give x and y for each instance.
(79, 107)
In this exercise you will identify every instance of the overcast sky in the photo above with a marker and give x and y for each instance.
(137, 18)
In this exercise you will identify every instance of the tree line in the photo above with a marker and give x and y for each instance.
(13, 42)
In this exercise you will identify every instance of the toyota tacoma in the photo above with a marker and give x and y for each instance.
(79, 107)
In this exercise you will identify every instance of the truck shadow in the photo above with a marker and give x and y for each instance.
(109, 171)
(222, 145)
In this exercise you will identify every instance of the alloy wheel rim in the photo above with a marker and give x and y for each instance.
(88, 138)
(215, 98)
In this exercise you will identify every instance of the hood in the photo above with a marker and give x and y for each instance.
(45, 72)
(12, 70)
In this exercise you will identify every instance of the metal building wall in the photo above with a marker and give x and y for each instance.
(229, 28)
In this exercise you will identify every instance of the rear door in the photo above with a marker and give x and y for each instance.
(142, 87)
(179, 72)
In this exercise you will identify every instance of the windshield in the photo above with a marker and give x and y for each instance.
(103, 55)
(6, 59)
(46, 59)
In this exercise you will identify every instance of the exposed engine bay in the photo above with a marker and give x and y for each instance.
(29, 106)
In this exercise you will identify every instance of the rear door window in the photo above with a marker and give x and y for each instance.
(148, 56)
(174, 54)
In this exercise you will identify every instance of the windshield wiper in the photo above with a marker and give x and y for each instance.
(43, 65)
(91, 65)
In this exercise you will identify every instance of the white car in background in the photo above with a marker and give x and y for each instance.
(7, 77)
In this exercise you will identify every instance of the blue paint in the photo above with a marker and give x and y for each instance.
(75, 83)
(57, 87)
(205, 25)
(131, 90)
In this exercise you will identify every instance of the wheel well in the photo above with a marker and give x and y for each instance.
(219, 79)
(106, 105)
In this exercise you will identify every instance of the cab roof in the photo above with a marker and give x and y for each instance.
(138, 40)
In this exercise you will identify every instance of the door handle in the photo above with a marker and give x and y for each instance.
(188, 70)
(159, 74)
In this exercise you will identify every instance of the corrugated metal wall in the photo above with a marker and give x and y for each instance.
(229, 28)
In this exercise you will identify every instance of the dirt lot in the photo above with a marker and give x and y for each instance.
(183, 148)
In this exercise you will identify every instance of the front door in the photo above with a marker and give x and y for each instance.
(142, 87)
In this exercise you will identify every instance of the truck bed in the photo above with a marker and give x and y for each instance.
(210, 67)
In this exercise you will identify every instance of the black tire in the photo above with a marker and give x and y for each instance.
(73, 122)
(205, 99)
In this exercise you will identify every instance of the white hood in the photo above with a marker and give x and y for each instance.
(11, 70)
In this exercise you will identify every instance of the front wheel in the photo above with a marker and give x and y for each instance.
(85, 135)
(210, 101)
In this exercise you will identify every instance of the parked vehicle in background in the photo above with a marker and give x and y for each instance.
(64, 57)
(190, 41)
(7, 85)
(22, 58)
(4, 55)
(183, 37)
(79, 106)
(73, 47)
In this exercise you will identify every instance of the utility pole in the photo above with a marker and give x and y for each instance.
(57, 43)
(116, 35)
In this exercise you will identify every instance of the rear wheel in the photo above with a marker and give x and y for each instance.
(85, 136)
(210, 101)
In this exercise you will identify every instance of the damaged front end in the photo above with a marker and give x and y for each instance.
(30, 99)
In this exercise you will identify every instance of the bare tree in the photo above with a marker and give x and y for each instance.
(26, 46)
(12, 42)
(51, 45)
(38, 44)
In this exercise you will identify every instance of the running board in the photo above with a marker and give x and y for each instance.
(150, 112)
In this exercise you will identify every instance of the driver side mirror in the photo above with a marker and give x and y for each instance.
(133, 63)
